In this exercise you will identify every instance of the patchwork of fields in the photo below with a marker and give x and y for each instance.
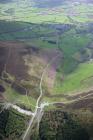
(60, 12)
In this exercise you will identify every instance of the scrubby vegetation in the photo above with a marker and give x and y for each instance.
(54, 125)
(12, 124)
(58, 125)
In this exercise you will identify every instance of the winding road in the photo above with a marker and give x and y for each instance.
(39, 106)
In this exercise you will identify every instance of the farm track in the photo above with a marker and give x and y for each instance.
(39, 108)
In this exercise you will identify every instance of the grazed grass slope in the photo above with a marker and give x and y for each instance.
(75, 81)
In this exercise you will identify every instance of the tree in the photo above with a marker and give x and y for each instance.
(71, 130)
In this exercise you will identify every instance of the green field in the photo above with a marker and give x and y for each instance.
(76, 81)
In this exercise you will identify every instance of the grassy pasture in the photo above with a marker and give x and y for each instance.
(74, 81)
(72, 70)
(70, 44)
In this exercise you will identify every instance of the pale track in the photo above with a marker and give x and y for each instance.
(38, 107)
